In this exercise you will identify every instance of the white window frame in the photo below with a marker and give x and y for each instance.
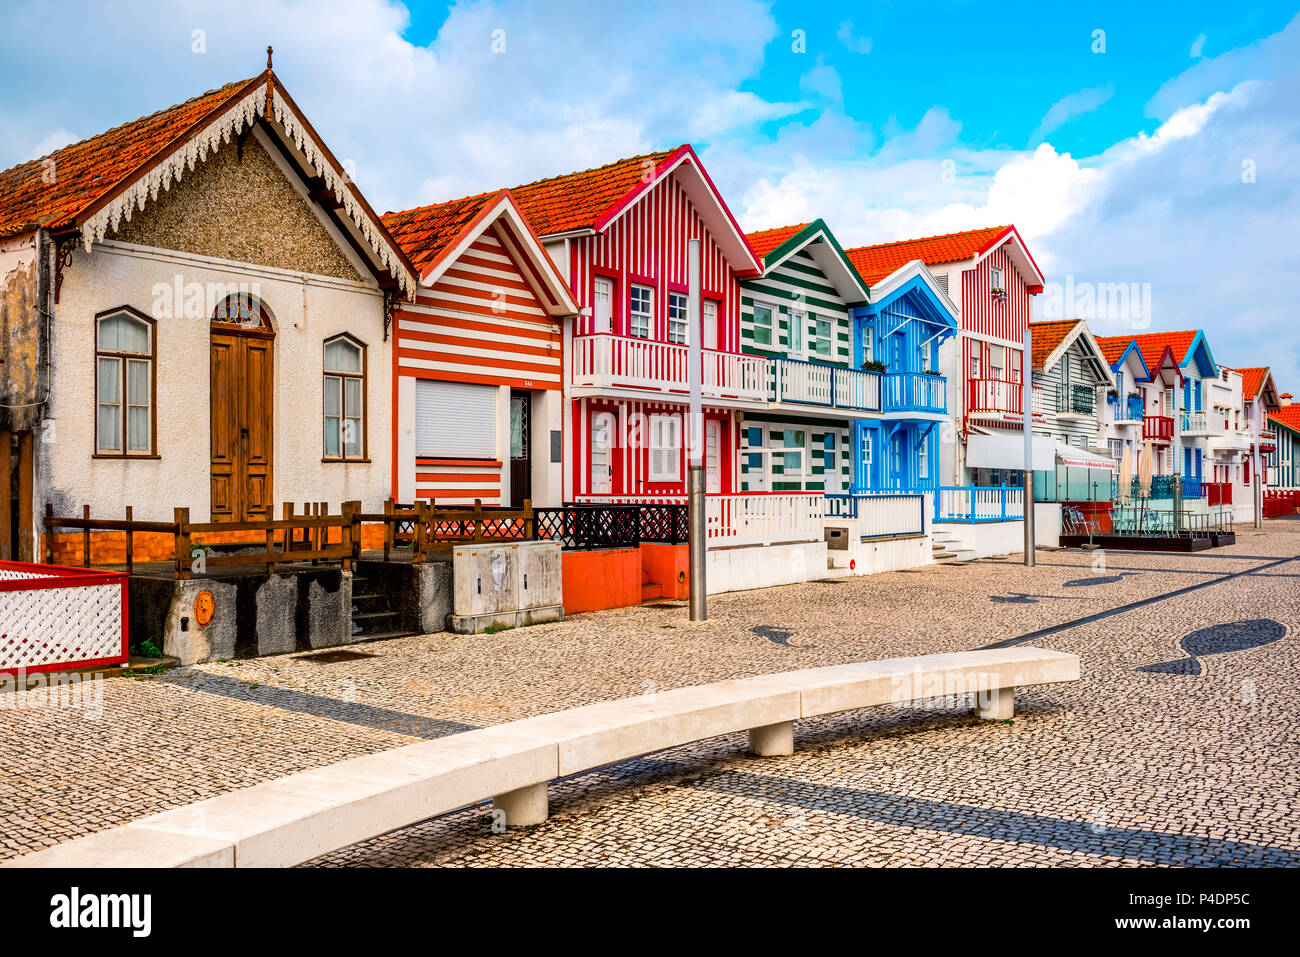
(338, 379)
(802, 449)
(602, 305)
(997, 362)
(868, 343)
(923, 458)
(997, 280)
(678, 323)
(816, 339)
(126, 360)
(975, 352)
(636, 316)
(766, 328)
(665, 437)
(796, 333)
(710, 333)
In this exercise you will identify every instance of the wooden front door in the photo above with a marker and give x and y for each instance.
(521, 457)
(242, 424)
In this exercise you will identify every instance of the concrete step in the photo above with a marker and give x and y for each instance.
(651, 591)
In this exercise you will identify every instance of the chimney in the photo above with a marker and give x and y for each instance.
(1285, 398)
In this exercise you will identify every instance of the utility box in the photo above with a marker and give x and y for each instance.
(837, 539)
(505, 585)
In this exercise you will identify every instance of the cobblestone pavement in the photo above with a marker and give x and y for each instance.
(1126, 767)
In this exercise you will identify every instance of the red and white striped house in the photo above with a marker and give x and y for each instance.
(619, 234)
(478, 363)
(997, 279)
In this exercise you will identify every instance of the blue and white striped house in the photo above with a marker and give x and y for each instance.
(898, 333)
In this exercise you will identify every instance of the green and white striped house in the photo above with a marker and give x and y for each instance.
(798, 315)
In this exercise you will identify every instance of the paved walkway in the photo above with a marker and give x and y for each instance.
(1154, 757)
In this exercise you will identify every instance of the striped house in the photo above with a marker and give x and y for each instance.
(478, 363)
(1284, 461)
(619, 235)
(992, 277)
(797, 316)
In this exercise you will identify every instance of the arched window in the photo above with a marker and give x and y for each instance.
(124, 384)
(243, 310)
(345, 399)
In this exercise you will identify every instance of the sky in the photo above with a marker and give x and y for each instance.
(1144, 147)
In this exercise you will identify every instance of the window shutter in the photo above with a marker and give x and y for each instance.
(455, 420)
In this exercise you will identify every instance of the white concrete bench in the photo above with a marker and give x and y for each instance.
(296, 818)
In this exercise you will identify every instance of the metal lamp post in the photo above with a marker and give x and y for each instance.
(695, 433)
(1027, 409)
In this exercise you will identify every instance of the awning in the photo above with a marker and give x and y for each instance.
(1074, 457)
(1007, 451)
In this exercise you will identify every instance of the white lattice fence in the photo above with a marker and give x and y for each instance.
(52, 618)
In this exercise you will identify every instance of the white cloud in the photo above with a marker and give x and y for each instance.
(1197, 46)
(1068, 107)
(847, 34)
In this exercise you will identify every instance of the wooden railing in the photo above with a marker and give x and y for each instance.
(994, 395)
(609, 361)
(819, 383)
(880, 514)
(915, 392)
(314, 535)
(745, 518)
(1158, 427)
(1194, 422)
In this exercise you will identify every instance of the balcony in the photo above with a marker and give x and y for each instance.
(994, 396)
(1234, 440)
(979, 503)
(916, 392)
(827, 386)
(1195, 423)
(1158, 428)
(1076, 401)
(623, 365)
(1268, 440)
(1127, 409)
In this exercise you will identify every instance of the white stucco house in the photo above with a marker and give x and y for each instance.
(196, 311)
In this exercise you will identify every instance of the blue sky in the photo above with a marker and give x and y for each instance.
(1126, 164)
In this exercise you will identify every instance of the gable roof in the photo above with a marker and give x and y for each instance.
(434, 237)
(589, 201)
(1182, 344)
(1257, 382)
(1053, 339)
(1117, 349)
(783, 242)
(91, 186)
(878, 261)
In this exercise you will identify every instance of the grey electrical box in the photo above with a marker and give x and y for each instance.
(557, 447)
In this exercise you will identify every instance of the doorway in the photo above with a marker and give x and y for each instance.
(242, 404)
(521, 459)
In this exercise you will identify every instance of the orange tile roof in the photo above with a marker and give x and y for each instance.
(1252, 380)
(423, 233)
(874, 263)
(1113, 347)
(80, 174)
(1152, 345)
(765, 240)
(572, 201)
(1288, 415)
(1048, 335)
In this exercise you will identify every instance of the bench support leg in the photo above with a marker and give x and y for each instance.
(772, 739)
(995, 704)
(523, 807)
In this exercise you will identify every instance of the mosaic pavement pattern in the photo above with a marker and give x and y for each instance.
(1135, 765)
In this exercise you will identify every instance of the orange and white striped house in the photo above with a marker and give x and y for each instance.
(478, 364)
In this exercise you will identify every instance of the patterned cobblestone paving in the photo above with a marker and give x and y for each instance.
(1126, 767)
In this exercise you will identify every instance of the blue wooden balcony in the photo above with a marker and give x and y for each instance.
(802, 382)
(1127, 408)
(915, 392)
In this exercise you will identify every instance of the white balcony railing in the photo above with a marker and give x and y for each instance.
(1195, 422)
(979, 503)
(606, 361)
(818, 383)
(764, 519)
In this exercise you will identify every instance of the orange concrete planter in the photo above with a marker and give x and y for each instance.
(602, 578)
(669, 567)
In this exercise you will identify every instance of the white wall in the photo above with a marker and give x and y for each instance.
(307, 310)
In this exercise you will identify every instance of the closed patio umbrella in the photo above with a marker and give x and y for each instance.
(1125, 475)
(1144, 470)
